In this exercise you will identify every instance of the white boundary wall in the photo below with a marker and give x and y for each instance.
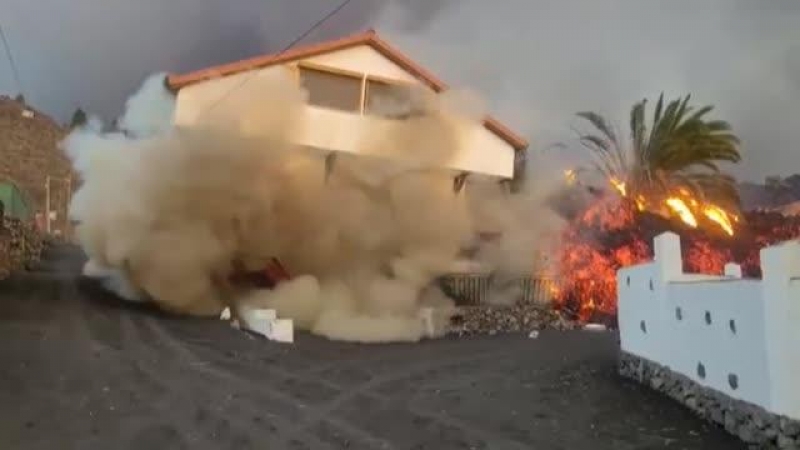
(738, 336)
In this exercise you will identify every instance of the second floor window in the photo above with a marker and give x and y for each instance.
(392, 100)
(332, 90)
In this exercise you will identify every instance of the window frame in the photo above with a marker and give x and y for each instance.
(335, 71)
(384, 80)
(459, 178)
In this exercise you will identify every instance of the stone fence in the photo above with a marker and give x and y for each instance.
(21, 246)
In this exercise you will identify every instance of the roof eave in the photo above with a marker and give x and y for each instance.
(176, 82)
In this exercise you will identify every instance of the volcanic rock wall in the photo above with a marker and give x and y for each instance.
(29, 153)
(20, 246)
(752, 424)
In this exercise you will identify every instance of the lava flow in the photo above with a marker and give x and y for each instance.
(618, 231)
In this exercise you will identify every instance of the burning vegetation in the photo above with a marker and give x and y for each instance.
(615, 233)
(656, 183)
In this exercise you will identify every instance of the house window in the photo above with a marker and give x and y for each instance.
(387, 99)
(333, 90)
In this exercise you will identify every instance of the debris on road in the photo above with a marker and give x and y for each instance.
(263, 322)
(523, 317)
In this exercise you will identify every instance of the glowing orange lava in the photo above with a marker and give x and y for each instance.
(679, 207)
(618, 230)
(619, 186)
(721, 217)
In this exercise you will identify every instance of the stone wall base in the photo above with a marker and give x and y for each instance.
(752, 424)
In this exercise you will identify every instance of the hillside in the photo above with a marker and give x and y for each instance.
(761, 196)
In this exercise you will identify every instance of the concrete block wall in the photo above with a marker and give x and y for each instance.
(739, 337)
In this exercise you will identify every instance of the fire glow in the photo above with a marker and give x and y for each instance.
(618, 231)
(679, 207)
(685, 207)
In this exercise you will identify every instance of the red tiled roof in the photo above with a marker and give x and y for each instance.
(369, 37)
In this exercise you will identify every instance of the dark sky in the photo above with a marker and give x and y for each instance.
(536, 61)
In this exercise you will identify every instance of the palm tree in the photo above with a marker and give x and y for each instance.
(680, 150)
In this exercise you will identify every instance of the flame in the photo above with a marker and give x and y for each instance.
(570, 176)
(686, 207)
(718, 215)
(612, 234)
(619, 186)
(641, 204)
(679, 207)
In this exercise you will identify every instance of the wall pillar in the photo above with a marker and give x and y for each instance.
(667, 256)
(780, 264)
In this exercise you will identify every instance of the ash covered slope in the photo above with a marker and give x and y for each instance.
(763, 196)
(169, 210)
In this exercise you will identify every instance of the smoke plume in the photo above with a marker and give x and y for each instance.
(164, 212)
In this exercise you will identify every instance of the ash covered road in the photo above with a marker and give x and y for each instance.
(79, 371)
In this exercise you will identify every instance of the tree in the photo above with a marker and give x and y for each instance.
(20, 98)
(680, 150)
(78, 119)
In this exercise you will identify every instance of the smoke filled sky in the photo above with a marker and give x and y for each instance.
(537, 62)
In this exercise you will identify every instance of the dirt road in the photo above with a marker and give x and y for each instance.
(79, 371)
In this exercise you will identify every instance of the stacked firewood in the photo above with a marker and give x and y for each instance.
(21, 246)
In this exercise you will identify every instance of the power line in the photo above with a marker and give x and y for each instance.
(11, 60)
(310, 30)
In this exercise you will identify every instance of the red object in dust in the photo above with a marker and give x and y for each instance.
(268, 277)
(613, 233)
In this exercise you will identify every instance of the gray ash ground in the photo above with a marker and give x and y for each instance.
(523, 317)
(81, 371)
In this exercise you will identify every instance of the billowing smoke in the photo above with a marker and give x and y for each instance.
(166, 213)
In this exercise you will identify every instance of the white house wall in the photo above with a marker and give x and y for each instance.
(481, 151)
(736, 336)
(363, 59)
(215, 95)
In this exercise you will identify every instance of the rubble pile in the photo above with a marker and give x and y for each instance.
(21, 246)
(523, 317)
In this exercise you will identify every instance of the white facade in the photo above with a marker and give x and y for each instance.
(480, 150)
(737, 336)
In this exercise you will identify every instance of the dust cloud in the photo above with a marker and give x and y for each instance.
(164, 212)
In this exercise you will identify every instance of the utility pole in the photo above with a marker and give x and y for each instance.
(47, 204)
(67, 223)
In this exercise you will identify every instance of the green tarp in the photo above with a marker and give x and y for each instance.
(14, 201)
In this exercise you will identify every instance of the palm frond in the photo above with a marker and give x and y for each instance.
(600, 123)
(682, 148)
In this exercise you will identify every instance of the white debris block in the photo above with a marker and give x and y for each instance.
(264, 322)
(426, 316)
(283, 331)
(258, 325)
(264, 314)
(594, 327)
